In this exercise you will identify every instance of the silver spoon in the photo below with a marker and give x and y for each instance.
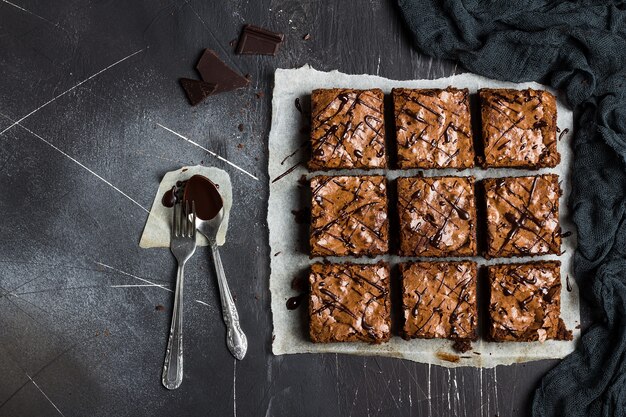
(235, 338)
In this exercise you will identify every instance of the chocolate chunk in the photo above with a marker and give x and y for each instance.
(197, 90)
(214, 70)
(258, 41)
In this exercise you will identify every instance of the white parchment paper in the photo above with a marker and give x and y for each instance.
(156, 232)
(288, 240)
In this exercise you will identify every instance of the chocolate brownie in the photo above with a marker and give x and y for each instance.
(437, 216)
(349, 216)
(347, 129)
(439, 300)
(525, 302)
(433, 128)
(523, 216)
(349, 302)
(519, 128)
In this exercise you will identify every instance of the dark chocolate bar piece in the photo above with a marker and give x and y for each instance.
(213, 70)
(258, 41)
(197, 90)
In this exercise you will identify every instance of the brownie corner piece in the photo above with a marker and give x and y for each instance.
(437, 216)
(519, 128)
(349, 216)
(349, 303)
(523, 216)
(439, 300)
(525, 302)
(347, 129)
(433, 128)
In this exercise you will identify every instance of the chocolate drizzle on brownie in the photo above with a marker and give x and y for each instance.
(529, 309)
(433, 128)
(349, 302)
(523, 216)
(347, 129)
(349, 216)
(439, 300)
(437, 216)
(519, 128)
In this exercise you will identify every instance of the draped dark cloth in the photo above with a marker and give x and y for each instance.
(578, 48)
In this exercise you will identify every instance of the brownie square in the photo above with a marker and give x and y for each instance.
(439, 300)
(525, 303)
(437, 216)
(523, 216)
(433, 128)
(349, 303)
(347, 129)
(519, 128)
(349, 216)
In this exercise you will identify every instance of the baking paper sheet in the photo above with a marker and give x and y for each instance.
(288, 240)
(156, 233)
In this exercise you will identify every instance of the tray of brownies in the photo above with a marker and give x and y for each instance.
(422, 219)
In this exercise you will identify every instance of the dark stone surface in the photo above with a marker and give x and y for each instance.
(73, 345)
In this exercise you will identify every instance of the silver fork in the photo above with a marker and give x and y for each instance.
(182, 245)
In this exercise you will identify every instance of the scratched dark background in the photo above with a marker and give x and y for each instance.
(83, 85)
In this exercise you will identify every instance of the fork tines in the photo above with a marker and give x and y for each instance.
(184, 220)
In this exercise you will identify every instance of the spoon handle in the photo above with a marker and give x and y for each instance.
(235, 338)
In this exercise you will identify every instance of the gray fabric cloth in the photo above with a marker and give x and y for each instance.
(580, 49)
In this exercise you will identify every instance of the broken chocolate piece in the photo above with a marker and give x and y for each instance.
(197, 90)
(258, 41)
(214, 70)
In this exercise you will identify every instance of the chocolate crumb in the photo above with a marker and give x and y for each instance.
(577, 326)
(449, 357)
(302, 216)
(240, 127)
(240, 145)
(307, 37)
(159, 307)
(248, 76)
(476, 353)
(107, 333)
(260, 94)
(278, 253)
(462, 346)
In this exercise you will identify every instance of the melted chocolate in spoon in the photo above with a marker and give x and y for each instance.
(203, 192)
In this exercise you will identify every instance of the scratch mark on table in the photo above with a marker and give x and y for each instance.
(208, 151)
(56, 25)
(430, 403)
(138, 285)
(481, 389)
(50, 362)
(234, 387)
(495, 388)
(45, 395)
(82, 166)
(56, 289)
(15, 123)
(133, 276)
(449, 385)
(456, 390)
(337, 378)
(378, 66)
(356, 394)
(148, 283)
